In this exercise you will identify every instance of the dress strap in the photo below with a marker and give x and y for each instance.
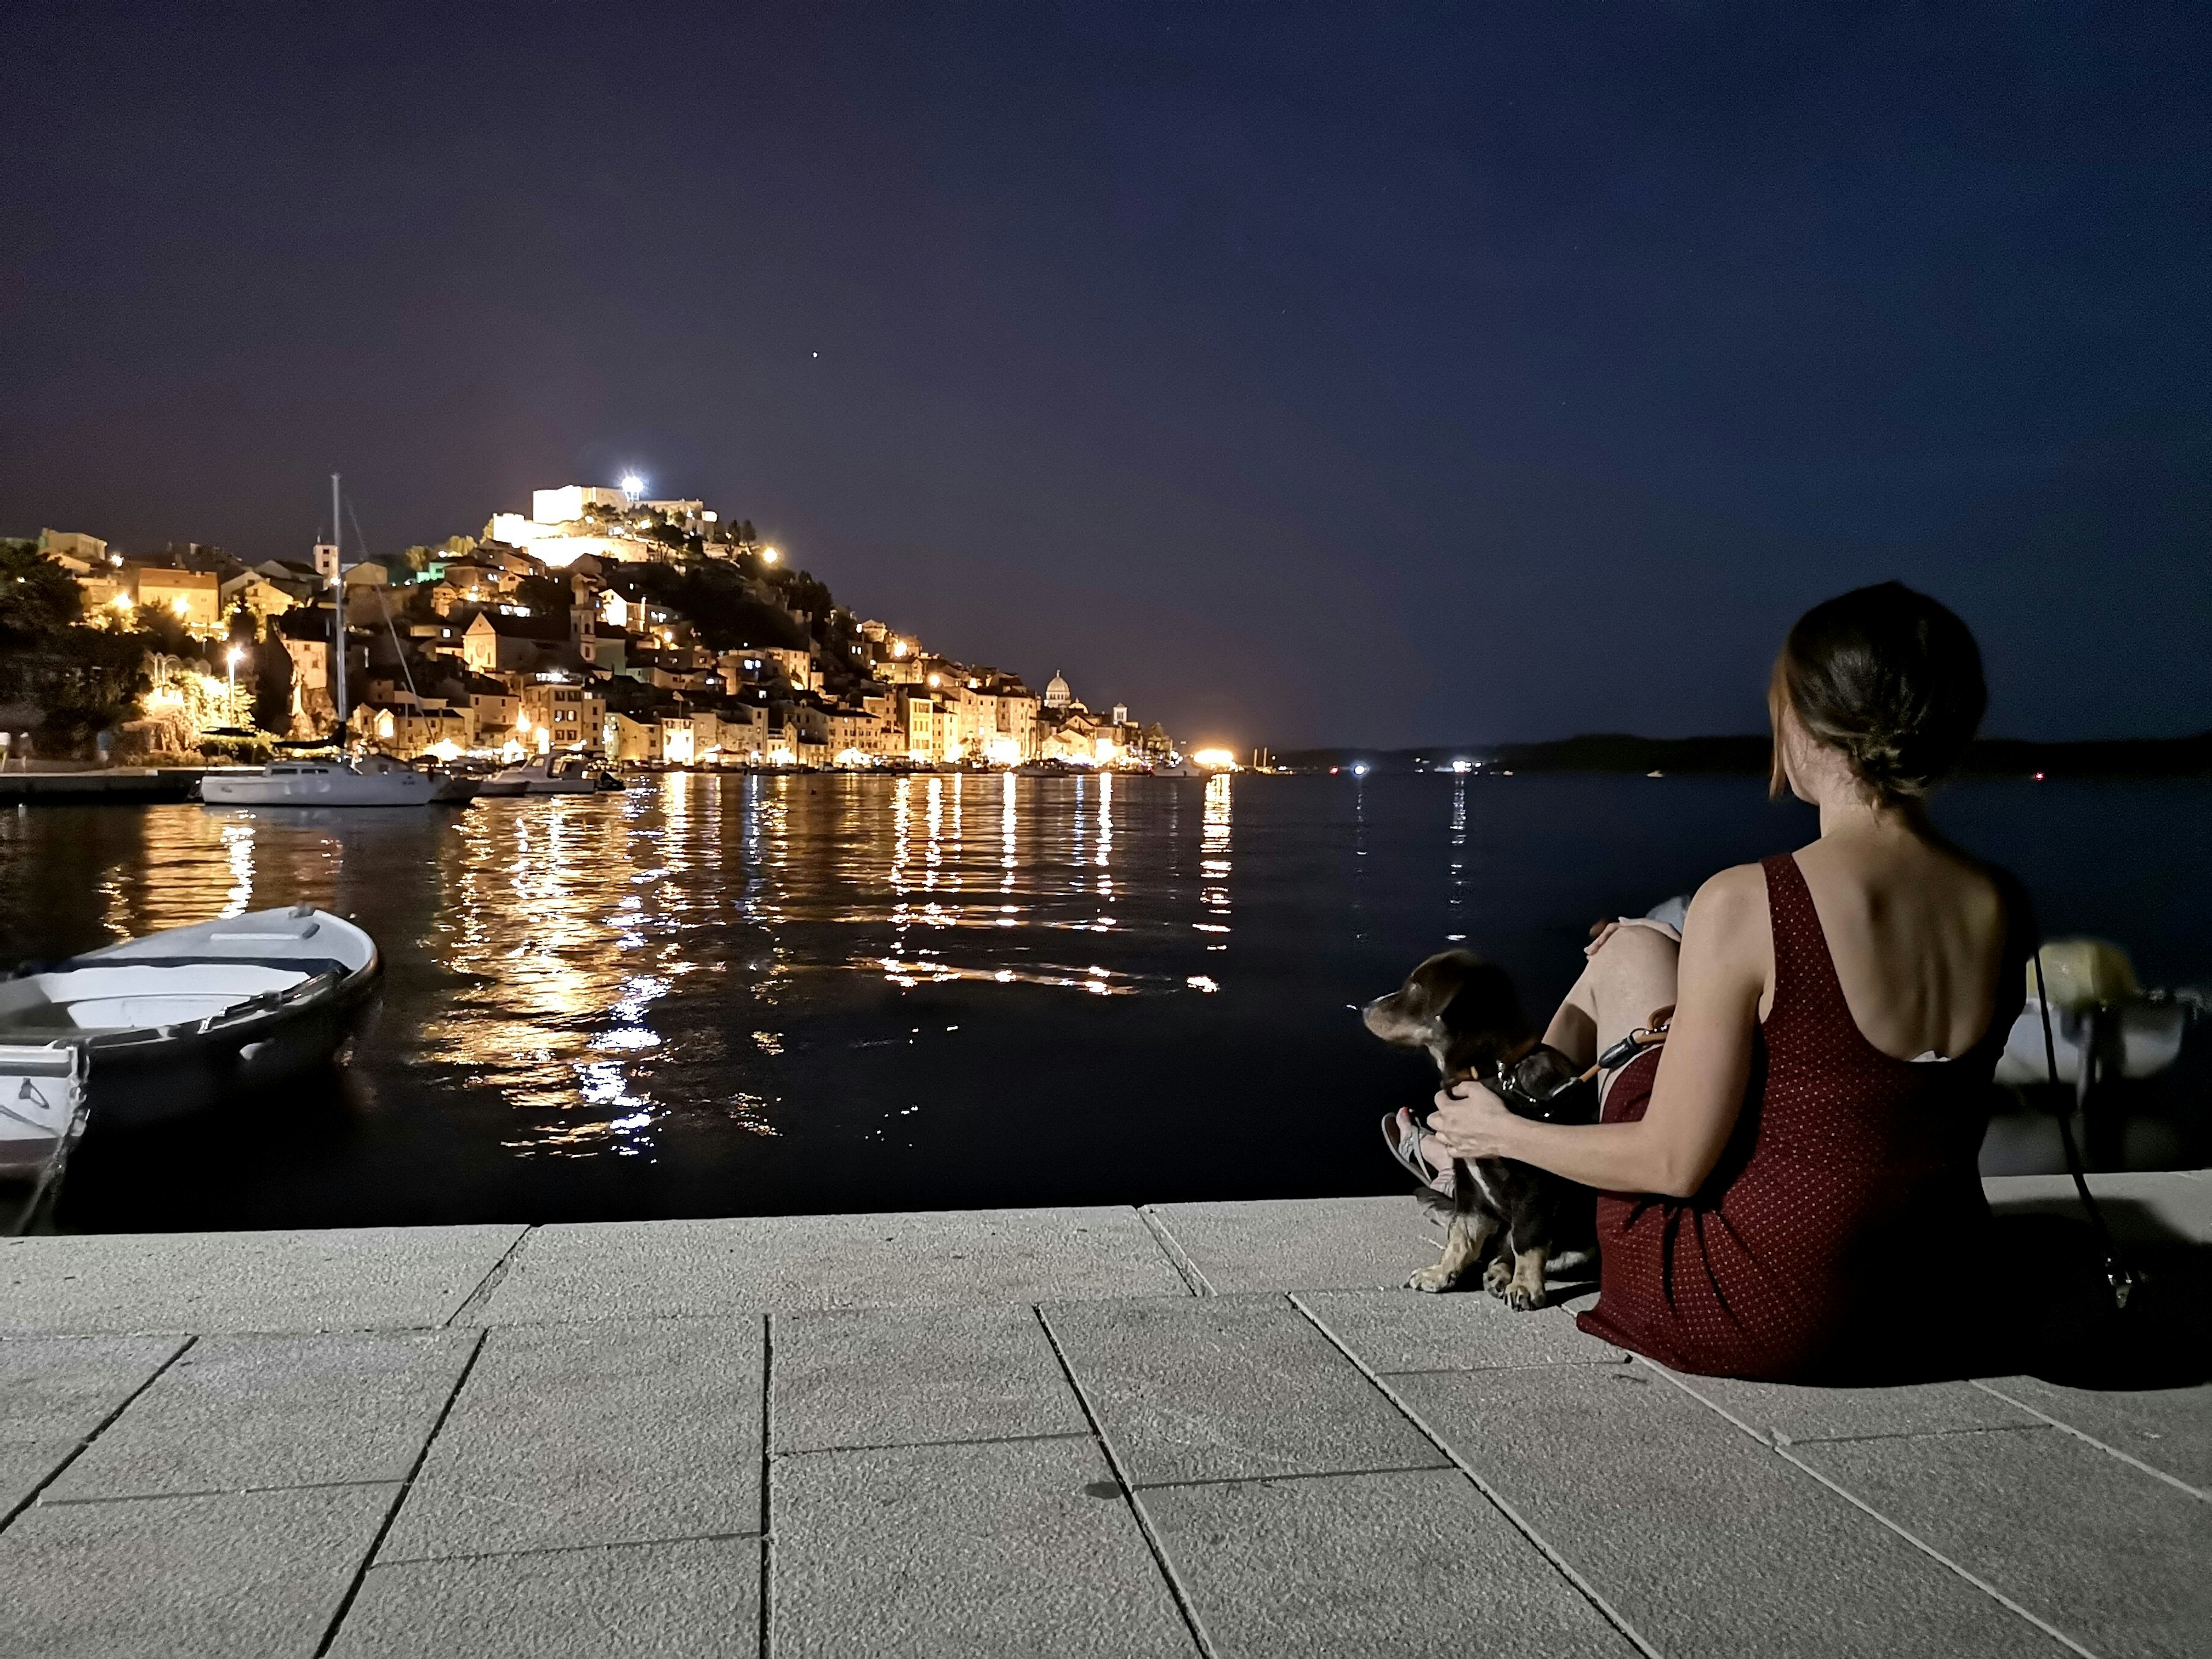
(1805, 981)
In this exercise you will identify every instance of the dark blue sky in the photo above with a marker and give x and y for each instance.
(1341, 373)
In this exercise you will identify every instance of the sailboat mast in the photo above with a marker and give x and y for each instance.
(337, 616)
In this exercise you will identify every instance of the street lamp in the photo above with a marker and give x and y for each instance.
(231, 707)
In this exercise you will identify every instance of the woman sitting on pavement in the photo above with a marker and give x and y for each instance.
(1789, 1185)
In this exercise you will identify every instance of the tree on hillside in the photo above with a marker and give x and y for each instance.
(38, 597)
(273, 683)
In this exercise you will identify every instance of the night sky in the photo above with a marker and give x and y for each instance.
(1342, 373)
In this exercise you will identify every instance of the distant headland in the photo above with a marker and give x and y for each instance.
(1621, 751)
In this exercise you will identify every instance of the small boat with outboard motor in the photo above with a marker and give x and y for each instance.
(170, 1023)
(550, 775)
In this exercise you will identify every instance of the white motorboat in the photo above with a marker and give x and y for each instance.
(43, 1103)
(170, 1023)
(371, 781)
(548, 774)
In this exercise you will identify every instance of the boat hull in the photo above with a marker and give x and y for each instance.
(165, 1079)
(334, 788)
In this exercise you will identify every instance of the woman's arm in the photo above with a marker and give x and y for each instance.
(1727, 962)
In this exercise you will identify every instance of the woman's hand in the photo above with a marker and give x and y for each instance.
(1602, 931)
(1471, 1122)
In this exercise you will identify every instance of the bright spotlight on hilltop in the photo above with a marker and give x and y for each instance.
(769, 555)
(1219, 760)
(632, 485)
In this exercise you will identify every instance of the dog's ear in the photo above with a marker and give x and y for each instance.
(1433, 985)
(1484, 1020)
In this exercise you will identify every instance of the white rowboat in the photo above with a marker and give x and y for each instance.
(171, 1023)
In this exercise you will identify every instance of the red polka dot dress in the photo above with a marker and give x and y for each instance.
(1819, 1243)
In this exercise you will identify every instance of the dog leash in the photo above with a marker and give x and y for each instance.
(2118, 1275)
(1643, 1037)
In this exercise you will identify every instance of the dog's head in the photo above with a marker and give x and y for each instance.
(1462, 1009)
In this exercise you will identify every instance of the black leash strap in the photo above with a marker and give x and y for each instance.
(2118, 1275)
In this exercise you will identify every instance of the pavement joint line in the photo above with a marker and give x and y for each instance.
(1178, 1258)
(1851, 1497)
(98, 1428)
(2150, 1469)
(1293, 1475)
(911, 1445)
(1516, 1366)
(214, 1492)
(1780, 1439)
(494, 1276)
(1176, 1588)
(766, 1468)
(571, 1549)
(1589, 1591)
(399, 1497)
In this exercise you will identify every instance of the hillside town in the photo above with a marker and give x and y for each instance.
(640, 631)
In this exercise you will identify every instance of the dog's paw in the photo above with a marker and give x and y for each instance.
(1521, 1298)
(1438, 1277)
(1496, 1276)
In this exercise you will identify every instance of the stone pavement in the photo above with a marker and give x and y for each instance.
(1192, 1428)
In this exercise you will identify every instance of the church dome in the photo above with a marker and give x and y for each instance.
(1056, 694)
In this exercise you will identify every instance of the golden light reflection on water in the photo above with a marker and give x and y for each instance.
(609, 964)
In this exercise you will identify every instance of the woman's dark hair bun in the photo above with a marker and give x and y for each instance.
(1888, 676)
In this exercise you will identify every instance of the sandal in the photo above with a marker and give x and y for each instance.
(1403, 1136)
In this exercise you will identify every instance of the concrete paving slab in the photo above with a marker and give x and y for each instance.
(610, 1433)
(2106, 1553)
(2169, 1429)
(2145, 1207)
(1229, 1388)
(1408, 1331)
(1704, 1541)
(910, 1377)
(25, 1464)
(242, 1411)
(952, 1258)
(54, 1391)
(1786, 1413)
(343, 1278)
(67, 1386)
(702, 1596)
(220, 1575)
(1407, 1564)
(1008, 1547)
(1302, 1244)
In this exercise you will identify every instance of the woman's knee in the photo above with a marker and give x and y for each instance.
(1639, 953)
(1633, 975)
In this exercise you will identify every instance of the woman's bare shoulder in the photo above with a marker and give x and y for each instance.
(1739, 887)
(1731, 905)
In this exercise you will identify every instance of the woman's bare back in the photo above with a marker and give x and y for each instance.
(1917, 934)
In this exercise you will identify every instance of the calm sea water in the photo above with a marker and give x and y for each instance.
(743, 996)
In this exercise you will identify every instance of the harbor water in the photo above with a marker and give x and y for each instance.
(732, 994)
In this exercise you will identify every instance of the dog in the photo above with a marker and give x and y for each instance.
(1512, 1221)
